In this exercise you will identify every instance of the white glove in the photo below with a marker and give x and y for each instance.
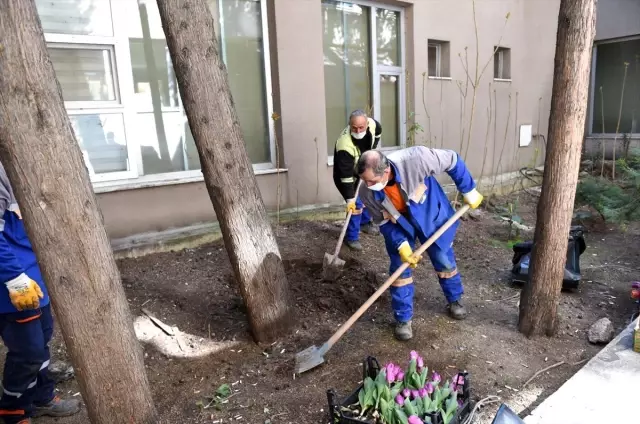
(24, 292)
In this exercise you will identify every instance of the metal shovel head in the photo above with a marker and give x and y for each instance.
(308, 359)
(331, 267)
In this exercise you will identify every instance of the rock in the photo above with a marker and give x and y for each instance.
(60, 371)
(475, 214)
(601, 331)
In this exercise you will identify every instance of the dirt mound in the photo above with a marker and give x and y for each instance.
(312, 294)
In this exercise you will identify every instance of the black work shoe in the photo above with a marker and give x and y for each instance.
(456, 310)
(58, 408)
(370, 229)
(354, 245)
(403, 331)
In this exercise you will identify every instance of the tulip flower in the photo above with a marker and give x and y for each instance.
(415, 394)
(400, 376)
(415, 420)
(390, 371)
(460, 403)
(400, 400)
(429, 388)
(420, 363)
(435, 378)
(414, 355)
(423, 393)
(406, 393)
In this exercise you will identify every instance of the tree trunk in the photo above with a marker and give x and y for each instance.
(45, 164)
(228, 173)
(539, 301)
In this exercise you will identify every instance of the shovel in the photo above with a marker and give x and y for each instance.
(314, 356)
(332, 265)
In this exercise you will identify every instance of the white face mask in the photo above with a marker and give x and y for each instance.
(359, 136)
(378, 186)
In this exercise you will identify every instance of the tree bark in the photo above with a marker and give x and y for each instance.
(539, 300)
(228, 173)
(51, 183)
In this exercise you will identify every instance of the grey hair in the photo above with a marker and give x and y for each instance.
(356, 113)
(374, 160)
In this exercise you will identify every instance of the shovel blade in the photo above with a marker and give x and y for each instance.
(309, 358)
(331, 267)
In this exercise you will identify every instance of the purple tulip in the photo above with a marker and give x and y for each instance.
(435, 378)
(415, 420)
(399, 400)
(429, 388)
(406, 393)
(453, 386)
(415, 394)
(460, 403)
(423, 393)
(420, 362)
(400, 376)
(414, 355)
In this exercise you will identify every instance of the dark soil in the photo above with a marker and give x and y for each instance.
(195, 291)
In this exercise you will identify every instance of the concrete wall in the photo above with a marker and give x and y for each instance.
(617, 18)
(298, 81)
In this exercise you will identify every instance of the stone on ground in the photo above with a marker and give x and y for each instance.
(601, 331)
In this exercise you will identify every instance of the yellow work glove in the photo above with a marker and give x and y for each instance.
(406, 255)
(473, 198)
(351, 205)
(24, 292)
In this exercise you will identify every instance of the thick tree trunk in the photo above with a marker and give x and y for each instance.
(539, 301)
(45, 165)
(248, 236)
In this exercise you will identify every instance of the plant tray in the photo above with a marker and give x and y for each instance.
(371, 368)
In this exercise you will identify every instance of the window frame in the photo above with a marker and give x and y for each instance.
(592, 87)
(376, 71)
(125, 103)
(438, 47)
(499, 54)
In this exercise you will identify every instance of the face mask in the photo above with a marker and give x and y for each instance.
(359, 136)
(378, 186)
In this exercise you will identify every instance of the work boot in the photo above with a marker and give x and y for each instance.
(370, 229)
(58, 408)
(403, 331)
(353, 245)
(456, 310)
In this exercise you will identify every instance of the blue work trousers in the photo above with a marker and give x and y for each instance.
(359, 218)
(25, 381)
(444, 263)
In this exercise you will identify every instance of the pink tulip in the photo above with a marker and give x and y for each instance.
(420, 362)
(399, 400)
(415, 394)
(415, 420)
(423, 393)
(390, 370)
(429, 388)
(414, 355)
(400, 376)
(436, 378)
(406, 393)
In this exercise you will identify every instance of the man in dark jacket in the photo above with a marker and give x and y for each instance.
(26, 324)
(362, 134)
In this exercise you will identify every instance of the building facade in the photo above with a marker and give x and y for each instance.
(296, 70)
(614, 101)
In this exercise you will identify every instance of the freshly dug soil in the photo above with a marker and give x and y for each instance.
(195, 291)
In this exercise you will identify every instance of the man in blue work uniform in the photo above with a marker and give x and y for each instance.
(26, 324)
(407, 202)
(362, 134)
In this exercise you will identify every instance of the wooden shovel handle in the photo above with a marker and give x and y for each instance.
(346, 224)
(343, 329)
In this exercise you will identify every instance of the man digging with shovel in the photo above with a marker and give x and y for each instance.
(406, 201)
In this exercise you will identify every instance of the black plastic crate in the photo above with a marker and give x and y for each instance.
(371, 368)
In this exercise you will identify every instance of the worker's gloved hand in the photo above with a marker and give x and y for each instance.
(473, 198)
(406, 255)
(351, 205)
(24, 292)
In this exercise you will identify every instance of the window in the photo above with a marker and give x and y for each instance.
(611, 59)
(121, 92)
(363, 67)
(439, 59)
(502, 63)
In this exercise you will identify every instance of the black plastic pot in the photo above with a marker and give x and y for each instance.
(371, 368)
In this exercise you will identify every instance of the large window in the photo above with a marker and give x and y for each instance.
(121, 93)
(612, 61)
(363, 67)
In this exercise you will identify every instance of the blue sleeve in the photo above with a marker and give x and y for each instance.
(393, 234)
(461, 176)
(10, 268)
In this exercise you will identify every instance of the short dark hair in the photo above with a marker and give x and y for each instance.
(374, 160)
